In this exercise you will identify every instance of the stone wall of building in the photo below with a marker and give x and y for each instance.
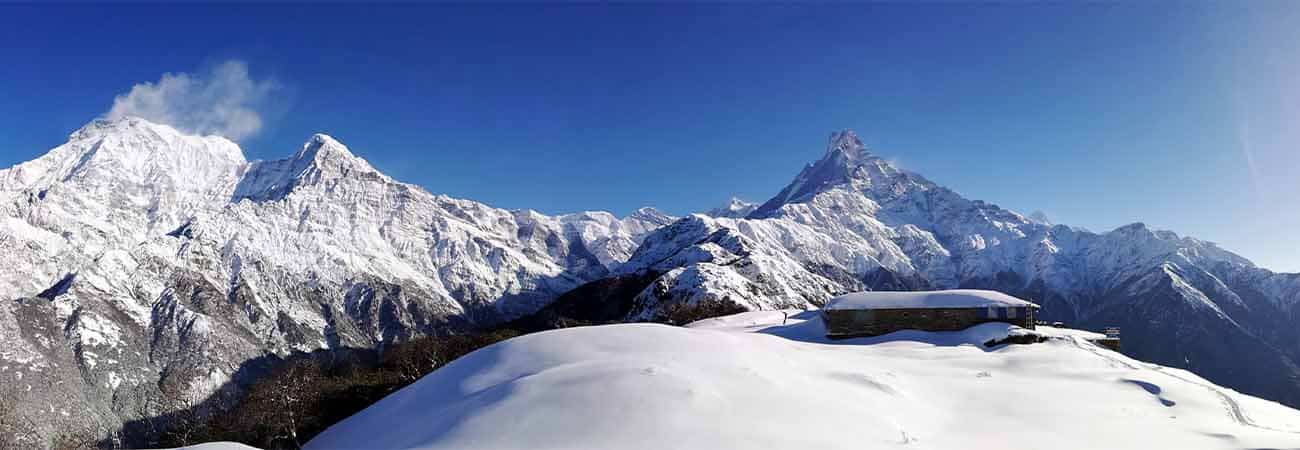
(855, 323)
(1110, 343)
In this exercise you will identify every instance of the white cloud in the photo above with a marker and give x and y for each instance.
(1248, 152)
(221, 100)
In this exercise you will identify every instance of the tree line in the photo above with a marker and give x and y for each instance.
(304, 395)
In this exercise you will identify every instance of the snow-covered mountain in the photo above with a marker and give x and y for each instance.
(755, 380)
(734, 209)
(853, 221)
(1041, 217)
(141, 259)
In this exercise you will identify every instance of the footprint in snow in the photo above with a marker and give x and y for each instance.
(1152, 389)
(866, 381)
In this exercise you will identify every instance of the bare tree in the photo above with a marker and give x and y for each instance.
(284, 404)
(414, 359)
(146, 413)
(682, 313)
(186, 423)
(17, 431)
(9, 424)
(75, 439)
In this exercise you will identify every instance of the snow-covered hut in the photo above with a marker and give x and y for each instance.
(877, 313)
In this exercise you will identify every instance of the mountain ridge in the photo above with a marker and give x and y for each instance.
(852, 221)
(135, 268)
(168, 259)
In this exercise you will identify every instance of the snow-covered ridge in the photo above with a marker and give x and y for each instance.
(851, 221)
(734, 209)
(750, 381)
(321, 159)
(156, 251)
(851, 214)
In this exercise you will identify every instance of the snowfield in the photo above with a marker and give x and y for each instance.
(219, 446)
(749, 381)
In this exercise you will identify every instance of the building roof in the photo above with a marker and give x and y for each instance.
(956, 298)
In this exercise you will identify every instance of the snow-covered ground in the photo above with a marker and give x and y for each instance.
(219, 446)
(749, 381)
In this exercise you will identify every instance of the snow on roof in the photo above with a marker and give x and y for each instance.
(956, 298)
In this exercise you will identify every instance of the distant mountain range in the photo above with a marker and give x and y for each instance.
(852, 221)
(141, 259)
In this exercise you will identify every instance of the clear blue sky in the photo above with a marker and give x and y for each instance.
(1181, 116)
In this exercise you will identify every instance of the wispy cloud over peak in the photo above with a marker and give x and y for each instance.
(221, 99)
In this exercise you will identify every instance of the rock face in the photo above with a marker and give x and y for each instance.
(142, 260)
(852, 221)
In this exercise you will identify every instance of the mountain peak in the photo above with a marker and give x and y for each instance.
(846, 163)
(322, 138)
(735, 209)
(1040, 217)
(651, 214)
(737, 202)
(321, 158)
(135, 150)
(1135, 227)
(104, 126)
(321, 146)
(132, 125)
(845, 150)
(847, 144)
(137, 142)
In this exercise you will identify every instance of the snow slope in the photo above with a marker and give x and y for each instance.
(747, 381)
(219, 446)
(136, 254)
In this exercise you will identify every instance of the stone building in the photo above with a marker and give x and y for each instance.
(876, 313)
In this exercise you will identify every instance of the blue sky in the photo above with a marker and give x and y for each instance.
(1180, 116)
